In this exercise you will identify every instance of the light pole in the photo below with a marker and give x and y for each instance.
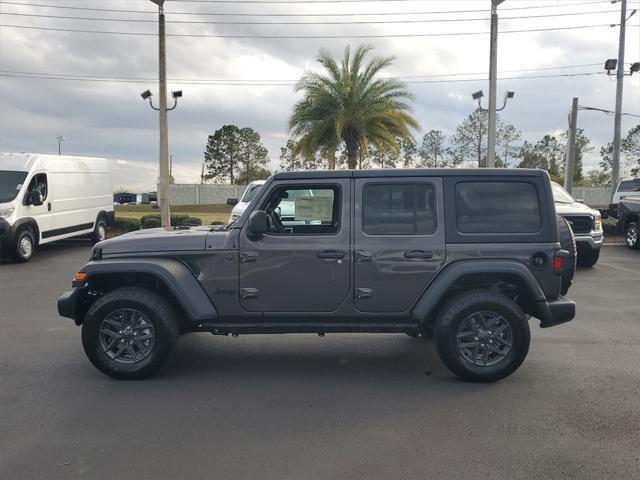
(163, 187)
(493, 73)
(478, 96)
(60, 140)
(617, 122)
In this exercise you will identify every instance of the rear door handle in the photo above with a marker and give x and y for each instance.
(362, 257)
(48, 206)
(330, 254)
(419, 254)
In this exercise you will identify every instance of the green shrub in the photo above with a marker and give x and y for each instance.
(153, 220)
(126, 224)
(149, 221)
(610, 226)
(218, 222)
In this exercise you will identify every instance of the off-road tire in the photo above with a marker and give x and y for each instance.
(460, 308)
(588, 258)
(20, 251)
(568, 243)
(155, 308)
(628, 237)
(99, 230)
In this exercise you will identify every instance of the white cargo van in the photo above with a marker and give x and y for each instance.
(44, 198)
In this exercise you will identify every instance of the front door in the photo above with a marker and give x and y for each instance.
(399, 241)
(40, 213)
(303, 263)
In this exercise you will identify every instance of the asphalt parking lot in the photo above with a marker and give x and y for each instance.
(305, 407)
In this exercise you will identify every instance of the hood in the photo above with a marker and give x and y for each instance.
(157, 240)
(575, 208)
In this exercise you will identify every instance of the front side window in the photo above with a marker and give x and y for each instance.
(399, 209)
(38, 183)
(10, 184)
(303, 210)
(497, 207)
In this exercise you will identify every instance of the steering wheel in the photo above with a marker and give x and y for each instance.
(276, 223)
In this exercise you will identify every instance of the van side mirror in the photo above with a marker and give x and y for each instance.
(233, 201)
(258, 224)
(35, 198)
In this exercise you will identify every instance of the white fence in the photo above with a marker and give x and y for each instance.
(595, 197)
(207, 194)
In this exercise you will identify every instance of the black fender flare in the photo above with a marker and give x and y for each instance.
(438, 288)
(109, 217)
(173, 273)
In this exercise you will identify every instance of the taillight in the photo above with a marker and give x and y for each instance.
(558, 263)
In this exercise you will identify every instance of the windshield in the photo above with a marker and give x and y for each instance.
(10, 184)
(251, 192)
(560, 195)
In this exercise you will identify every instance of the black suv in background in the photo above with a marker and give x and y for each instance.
(466, 255)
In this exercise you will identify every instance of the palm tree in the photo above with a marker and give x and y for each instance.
(347, 103)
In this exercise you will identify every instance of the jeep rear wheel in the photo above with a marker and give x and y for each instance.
(129, 333)
(482, 336)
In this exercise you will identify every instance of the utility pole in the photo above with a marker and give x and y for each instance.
(571, 146)
(493, 74)
(615, 159)
(163, 187)
(60, 140)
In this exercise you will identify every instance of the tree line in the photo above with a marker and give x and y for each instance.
(349, 117)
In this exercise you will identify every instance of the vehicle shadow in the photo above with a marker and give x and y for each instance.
(341, 358)
(45, 252)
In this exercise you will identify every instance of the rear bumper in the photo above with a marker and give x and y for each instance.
(556, 312)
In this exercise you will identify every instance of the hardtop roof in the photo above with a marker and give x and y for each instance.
(413, 172)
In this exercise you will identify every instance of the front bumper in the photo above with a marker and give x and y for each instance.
(593, 241)
(68, 305)
(556, 312)
(6, 234)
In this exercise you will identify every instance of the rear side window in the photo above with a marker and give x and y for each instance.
(630, 185)
(497, 207)
(399, 209)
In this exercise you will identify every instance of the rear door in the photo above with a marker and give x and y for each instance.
(399, 241)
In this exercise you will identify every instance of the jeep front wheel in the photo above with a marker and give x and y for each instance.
(129, 333)
(482, 336)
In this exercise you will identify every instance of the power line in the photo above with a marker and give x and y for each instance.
(608, 112)
(275, 84)
(299, 37)
(177, 79)
(227, 22)
(96, 9)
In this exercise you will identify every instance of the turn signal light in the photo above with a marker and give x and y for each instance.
(79, 279)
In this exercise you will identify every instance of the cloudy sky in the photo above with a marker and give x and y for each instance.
(236, 72)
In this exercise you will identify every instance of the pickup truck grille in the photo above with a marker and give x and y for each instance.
(580, 223)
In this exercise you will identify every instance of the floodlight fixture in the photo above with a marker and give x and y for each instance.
(477, 95)
(176, 94)
(146, 94)
(635, 67)
(610, 64)
(509, 94)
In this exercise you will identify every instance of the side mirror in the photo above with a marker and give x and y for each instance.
(233, 201)
(257, 224)
(35, 198)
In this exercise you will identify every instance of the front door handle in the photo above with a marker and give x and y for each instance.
(419, 254)
(330, 254)
(48, 206)
(362, 257)
(364, 292)
(246, 257)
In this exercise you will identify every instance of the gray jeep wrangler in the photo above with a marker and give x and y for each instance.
(465, 256)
